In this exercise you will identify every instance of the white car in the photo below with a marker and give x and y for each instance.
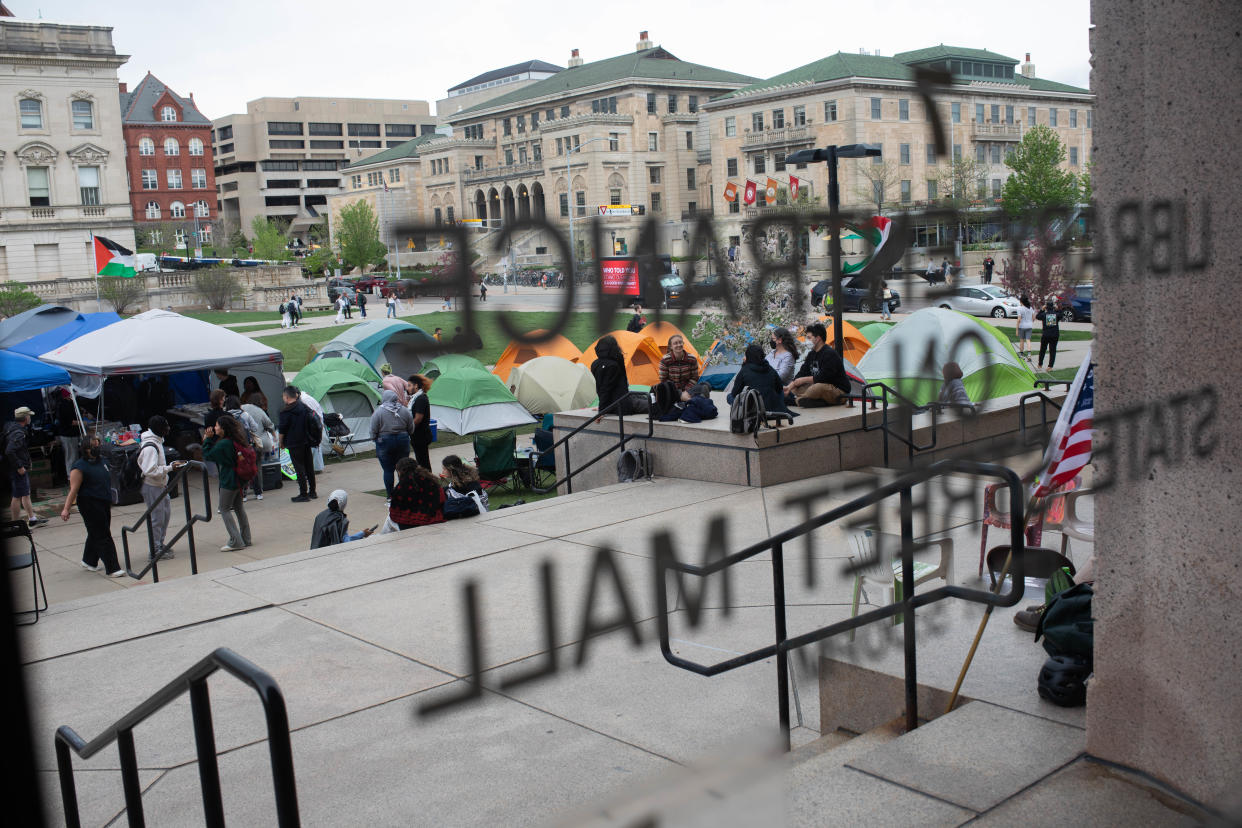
(984, 300)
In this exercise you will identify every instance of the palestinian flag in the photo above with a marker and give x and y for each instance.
(113, 260)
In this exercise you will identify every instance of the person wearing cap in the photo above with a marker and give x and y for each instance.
(17, 458)
(332, 524)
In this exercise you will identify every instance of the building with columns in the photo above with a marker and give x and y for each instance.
(62, 153)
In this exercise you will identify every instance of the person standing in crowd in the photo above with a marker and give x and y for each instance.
(332, 524)
(286, 316)
(227, 382)
(1050, 335)
(392, 426)
(482, 291)
(316, 449)
(297, 309)
(391, 301)
(90, 488)
(946, 272)
(420, 413)
(362, 304)
(215, 407)
(784, 355)
(252, 395)
(68, 428)
(637, 321)
(267, 443)
(155, 468)
(254, 433)
(886, 298)
(349, 305)
(296, 435)
(988, 265)
(1026, 321)
(221, 447)
(679, 367)
(395, 384)
(822, 379)
(417, 499)
(340, 309)
(17, 458)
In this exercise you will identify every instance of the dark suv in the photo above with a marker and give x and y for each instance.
(856, 295)
(1075, 304)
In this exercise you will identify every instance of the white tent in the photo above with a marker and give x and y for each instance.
(163, 342)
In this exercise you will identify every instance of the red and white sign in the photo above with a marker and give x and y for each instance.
(620, 276)
(794, 184)
(749, 196)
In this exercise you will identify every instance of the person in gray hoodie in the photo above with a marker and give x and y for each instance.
(155, 468)
(953, 392)
(391, 428)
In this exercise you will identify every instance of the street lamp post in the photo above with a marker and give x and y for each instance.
(569, 189)
(829, 155)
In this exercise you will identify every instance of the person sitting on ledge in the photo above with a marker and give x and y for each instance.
(953, 392)
(681, 369)
(417, 499)
(757, 373)
(611, 381)
(332, 524)
(822, 379)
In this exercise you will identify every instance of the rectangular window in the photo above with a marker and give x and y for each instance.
(656, 206)
(690, 179)
(672, 103)
(150, 180)
(1009, 113)
(286, 143)
(692, 207)
(957, 152)
(653, 141)
(756, 122)
(957, 112)
(1030, 116)
(1073, 156)
(1089, 119)
(521, 124)
(931, 154)
(875, 109)
(508, 156)
(565, 111)
(614, 196)
(778, 161)
(931, 189)
(978, 113)
(31, 114)
(284, 128)
(400, 130)
(365, 144)
(693, 105)
(778, 119)
(560, 148)
(830, 111)
(905, 154)
(996, 188)
(363, 130)
(996, 153)
(761, 163)
(799, 116)
(88, 184)
(903, 109)
(731, 167)
(689, 140)
(357, 181)
(224, 133)
(730, 127)
(174, 179)
(327, 145)
(549, 115)
(905, 192)
(564, 205)
(1052, 116)
(651, 103)
(320, 128)
(996, 113)
(534, 121)
(735, 207)
(878, 159)
(1073, 117)
(522, 154)
(268, 166)
(536, 150)
(614, 141)
(580, 201)
(981, 153)
(318, 165)
(198, 179)
(653, 174)
(84, 117)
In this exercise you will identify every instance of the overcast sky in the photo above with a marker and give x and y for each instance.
(231, 51)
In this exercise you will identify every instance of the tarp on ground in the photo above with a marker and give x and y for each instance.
(519, 353)
(549, 384)
(642, 357)
(661, 332)
(34, 322)
(19, 372)
(470, 400)
(50, 340)
(990, 366)
(448, 363)
(380, 341)
(338, 365)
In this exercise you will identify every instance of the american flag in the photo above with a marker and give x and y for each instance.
(1070, 448)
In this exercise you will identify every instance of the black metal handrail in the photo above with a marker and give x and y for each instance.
(911, 407)
(535, 456)
(1044, 402)
(783, 642)
(176, 476)
(194, 681)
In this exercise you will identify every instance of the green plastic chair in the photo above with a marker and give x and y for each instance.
(495, 461)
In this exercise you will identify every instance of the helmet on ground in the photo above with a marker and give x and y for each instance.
(1063, 680)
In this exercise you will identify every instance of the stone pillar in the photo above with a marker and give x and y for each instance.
(1167, 693)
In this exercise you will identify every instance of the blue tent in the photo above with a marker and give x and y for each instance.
(34, 322)
(50, 340)
(22, 373)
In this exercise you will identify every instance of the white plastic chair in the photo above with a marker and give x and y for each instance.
(1071, 525)
(885, 570)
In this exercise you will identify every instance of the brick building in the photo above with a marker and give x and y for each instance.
(168, 154)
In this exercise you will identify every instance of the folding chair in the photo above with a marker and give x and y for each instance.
(542, 472)
(1037, 562)
(884, 551)
(10, 531)
(494, 458)
(340, 438)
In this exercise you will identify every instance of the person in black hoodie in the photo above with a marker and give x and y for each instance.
(611, 382)
(295, 435)
(757, 373)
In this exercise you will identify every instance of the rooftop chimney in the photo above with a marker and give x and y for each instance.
(644, 42)
(1028, 68)
(574, 60)
(124, 87)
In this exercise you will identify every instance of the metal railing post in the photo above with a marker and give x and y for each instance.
(129, 779)
(782, 655)
(205, 743)
(907, 616)
(68, 789)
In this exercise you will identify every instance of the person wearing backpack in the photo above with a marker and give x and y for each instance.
(757, 373)
(254, 431)
(297, 434)
(228, 446)
(154, 467)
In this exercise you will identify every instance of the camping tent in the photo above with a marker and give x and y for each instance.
(990, 366)
(34, 322)
(470, 400)
(347, 394)
(400, 344)
(661, 332)
(19, 372)
(872, 331)
(347, 366)
(50, 340)
(720, 375)
(548, 384)
(642, 357)
(448, 363)
(519, 353)
(856, 345)
(163, 342)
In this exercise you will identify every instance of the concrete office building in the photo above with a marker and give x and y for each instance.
(492, 84)
(281, 158)
(62, 154)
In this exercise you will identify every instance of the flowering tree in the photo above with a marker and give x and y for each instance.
(1036, 275)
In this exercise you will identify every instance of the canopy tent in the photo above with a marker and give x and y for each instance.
(163, 342)
(400, 344)
(642, 357)
(990, 366)
(856, 345)
(872, 331)
(548, 384)
(661, 332)
(338, 365)
(345, 393)
(34, 322)
(50, 340)
(469, 400)
(448, 363)
(19, 372)
(519, 353)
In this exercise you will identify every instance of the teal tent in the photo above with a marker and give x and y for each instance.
(403, 346)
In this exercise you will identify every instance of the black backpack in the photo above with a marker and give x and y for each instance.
(314, 428)
(131, 472)
(633, 464)
(746, 415)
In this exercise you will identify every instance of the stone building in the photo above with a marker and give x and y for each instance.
(62, 153)
(168, 152)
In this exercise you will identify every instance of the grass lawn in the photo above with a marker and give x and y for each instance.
(580, 330)
(232, 317)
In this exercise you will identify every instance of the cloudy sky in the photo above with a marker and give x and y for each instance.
(230, 51)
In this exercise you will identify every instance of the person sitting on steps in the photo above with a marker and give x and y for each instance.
(822, 379)
(332, 524)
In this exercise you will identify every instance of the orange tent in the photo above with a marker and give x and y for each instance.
(642, 357)
(662, 332)
(855, 343)
(519, 352)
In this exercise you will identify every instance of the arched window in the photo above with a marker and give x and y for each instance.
(171, 147)
(146, 146)
(168, 114)
(83, 115)
(201, 209)
(31, 113)
(196, 146)
(153, 209)
(176, 210)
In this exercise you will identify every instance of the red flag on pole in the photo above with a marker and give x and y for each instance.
(730, 192)
(751, 190)
(794, 184)
(769, 193)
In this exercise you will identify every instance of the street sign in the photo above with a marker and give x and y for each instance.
(616, 210)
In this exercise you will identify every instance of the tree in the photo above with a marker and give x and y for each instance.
(15, 297)
(318, 232)
(1038, 183)
(218, 286)
(269, 242)
(881, 181)
(123, 293)
(962, 186)
(358, 236)
(320, 260)
(1087, 192)
(1035, 275)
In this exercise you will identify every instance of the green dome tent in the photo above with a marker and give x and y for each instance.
(990, 366)
(402, 345)
(449, 363)
(351, 396)
(468, 400)
(341, 365)
(872, 331)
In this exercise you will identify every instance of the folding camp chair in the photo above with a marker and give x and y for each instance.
(540, 469)
(10, 531)
(494, 458)
(340, 438)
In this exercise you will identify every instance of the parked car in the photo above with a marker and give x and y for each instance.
(675, 288)
(981, 300)
(338, 286)
(369, 284)
(857, 294)
(1075, 305)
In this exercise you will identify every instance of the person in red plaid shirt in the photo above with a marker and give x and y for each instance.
(679, 367)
